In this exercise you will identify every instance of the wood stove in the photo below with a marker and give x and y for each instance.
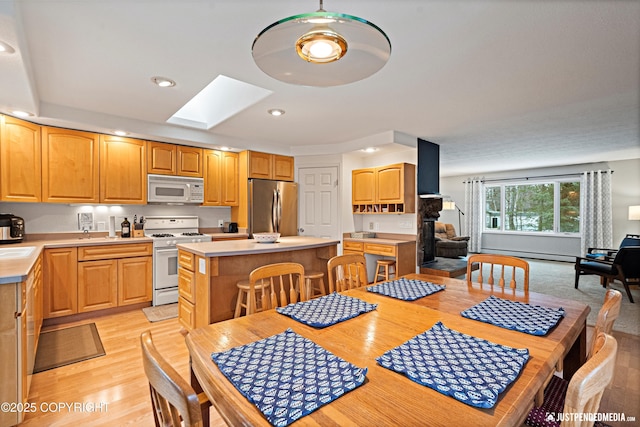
(428, 213)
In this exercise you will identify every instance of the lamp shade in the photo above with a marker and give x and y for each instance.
(321, 49)
(448, 205)
(634, 213)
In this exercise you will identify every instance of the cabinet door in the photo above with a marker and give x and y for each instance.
(260, 165)
(60, 286)
(390, 182)
(97, 285)
(161, 158)
(282, 168)
(135, 280)
(363, 186)
(212, 178)
(189, 161)
(20, 161)
(230, 180)
(70, 172)
(123, 171)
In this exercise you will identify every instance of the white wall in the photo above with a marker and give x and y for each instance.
(625, 192)
(61, 218)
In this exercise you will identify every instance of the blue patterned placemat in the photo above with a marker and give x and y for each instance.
(288, 376)
(514, 315)
(326, 310)
(469, 369)
(406, 289)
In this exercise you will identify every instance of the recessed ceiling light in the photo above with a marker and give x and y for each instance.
(275, 112)
(120, 133)
(6, 48)
(163, 81)
(369, 150)
(225, 148)
(20, 113)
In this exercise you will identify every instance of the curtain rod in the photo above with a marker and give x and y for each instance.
(526, 178)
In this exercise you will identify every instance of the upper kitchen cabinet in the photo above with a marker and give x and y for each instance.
(189, 161)
(123, 170)
(20, 161)
(161, 158)
(385, 189)
(70, 166)
(268, 166)
(220, 178)
(170, 159)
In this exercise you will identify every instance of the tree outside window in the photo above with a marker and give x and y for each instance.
(537, 207)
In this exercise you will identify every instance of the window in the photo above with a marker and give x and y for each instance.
(541, 207)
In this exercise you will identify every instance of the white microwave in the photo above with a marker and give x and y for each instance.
(174, 189)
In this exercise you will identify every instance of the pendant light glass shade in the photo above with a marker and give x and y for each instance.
(321, 49)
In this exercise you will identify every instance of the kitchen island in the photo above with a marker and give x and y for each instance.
(208, 272)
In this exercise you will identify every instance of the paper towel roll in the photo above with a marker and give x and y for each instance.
(112, 226)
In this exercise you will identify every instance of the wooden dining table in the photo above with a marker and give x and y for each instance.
(387, 398)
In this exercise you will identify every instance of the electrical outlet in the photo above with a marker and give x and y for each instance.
(220, 223)
(370, 226)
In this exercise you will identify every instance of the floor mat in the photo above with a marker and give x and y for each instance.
(66, 346)
(161, 312)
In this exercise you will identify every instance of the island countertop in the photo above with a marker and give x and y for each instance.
(250, 246)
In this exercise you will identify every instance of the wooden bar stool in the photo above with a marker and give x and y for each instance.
(243, 296)
(314, 281)
(383, 269)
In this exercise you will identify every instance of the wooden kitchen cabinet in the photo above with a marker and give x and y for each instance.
(114, 275)
(97, 285)
(161, 158)
(70, 166)
(20, 161)
(220, 178)
(135, 277)
(363, 182)
(123, 170)
(189, 161)
(60, 282)
(269, 166)
(385, 189)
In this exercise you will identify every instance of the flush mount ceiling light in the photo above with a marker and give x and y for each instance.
(163, 81)
(6, 48)
(321, 49)
(21, 113)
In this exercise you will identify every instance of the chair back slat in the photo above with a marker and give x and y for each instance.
(172, 397)
(588, 383)
(499, 262)
(287, 284)
(347, 271)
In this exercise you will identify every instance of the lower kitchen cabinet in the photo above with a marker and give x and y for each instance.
(88, 278)
(60, 288)
(135, 277)
(97, 285)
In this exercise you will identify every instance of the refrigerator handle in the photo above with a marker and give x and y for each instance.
(279, 209)
(274, 212)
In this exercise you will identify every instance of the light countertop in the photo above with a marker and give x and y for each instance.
(379, 241)
(250, 246)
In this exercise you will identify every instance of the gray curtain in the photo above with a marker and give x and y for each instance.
(596, 229)
(474, 213)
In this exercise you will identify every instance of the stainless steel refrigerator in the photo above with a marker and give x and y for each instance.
(273, 207)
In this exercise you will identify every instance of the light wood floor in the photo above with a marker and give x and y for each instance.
(119, 380)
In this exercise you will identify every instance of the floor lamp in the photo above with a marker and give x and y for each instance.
(450, 205)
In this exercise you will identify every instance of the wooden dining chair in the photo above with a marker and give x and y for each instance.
(604, 324)
(583, 393)
(346, 272)
(502, 262)
(173, 400)
(286, 281)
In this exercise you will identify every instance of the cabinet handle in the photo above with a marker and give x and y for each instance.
(16, 315)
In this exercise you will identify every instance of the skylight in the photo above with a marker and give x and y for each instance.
(224, 97)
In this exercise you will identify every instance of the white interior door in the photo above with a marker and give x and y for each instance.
(318, 202)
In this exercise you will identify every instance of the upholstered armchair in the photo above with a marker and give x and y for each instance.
(448, 244)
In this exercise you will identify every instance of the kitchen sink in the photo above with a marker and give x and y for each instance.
(21, 252)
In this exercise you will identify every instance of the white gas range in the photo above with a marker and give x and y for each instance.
(167, 232)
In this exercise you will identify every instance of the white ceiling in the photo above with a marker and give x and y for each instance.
(499, 85)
